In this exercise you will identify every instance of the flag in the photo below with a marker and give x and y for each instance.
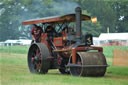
(94, 19)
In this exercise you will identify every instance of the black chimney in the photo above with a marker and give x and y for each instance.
(78, 24)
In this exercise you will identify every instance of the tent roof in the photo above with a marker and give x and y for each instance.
(113, 36)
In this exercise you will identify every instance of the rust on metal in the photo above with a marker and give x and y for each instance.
(61, 50)
(74, 56)
(100, 49)
(83, 49)
(56, 19)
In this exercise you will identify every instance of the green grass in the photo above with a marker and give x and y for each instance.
(108, 50)
(14, 71)
(14, 49)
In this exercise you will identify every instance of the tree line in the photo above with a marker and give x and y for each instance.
(111, 14)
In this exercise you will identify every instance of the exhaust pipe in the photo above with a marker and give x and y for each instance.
(78, 24)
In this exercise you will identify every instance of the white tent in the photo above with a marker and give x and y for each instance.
(114, 39)
(113, 36)
(96, 41)
(17, 42)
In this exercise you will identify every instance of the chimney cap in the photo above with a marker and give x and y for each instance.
(78, 9)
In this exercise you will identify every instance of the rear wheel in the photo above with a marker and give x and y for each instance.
(38, 58)
(63, 68)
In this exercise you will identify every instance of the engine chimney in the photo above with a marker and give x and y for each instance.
(78, 23)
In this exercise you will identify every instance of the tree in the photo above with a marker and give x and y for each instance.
(8, 21)
(103, 11)
(110, 13)
(16, 11)
(121, 9)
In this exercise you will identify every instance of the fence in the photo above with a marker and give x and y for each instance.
(109, 53)
(120, 57)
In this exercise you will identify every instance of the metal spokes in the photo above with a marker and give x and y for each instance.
(36, 59)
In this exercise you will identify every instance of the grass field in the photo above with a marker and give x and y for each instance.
(14, 71)
(108, 50)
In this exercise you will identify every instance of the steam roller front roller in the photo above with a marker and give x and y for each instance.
(88, 64)
(38, 58)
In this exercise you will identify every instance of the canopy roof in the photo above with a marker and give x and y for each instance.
(56, 19)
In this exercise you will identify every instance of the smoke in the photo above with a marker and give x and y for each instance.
(41, 9)
(2, 11)
(65, 7)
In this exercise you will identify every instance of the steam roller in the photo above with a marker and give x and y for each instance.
(65, 47)
(88, 64)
